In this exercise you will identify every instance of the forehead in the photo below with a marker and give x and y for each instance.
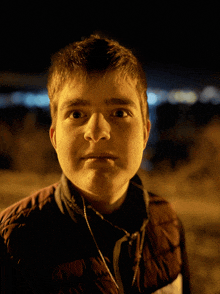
(98, 88)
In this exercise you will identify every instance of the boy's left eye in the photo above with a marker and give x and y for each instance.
(77, 114)
(120, 113)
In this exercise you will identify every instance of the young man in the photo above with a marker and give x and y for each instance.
(97, 230)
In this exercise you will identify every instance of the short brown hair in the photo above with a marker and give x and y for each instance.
(94, 55)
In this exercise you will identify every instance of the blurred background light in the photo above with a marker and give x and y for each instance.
(152, 98)
(156, 96)
(210, 94)
(18, 98)
(38, 100)
(30, 99)
(180, 96)
(162, 95)
(171, 97)
(189, 97)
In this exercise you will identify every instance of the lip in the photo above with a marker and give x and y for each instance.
(99, 156)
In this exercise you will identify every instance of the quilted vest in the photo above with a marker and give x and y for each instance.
(38, 239)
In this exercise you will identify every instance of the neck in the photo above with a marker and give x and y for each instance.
(105, 203)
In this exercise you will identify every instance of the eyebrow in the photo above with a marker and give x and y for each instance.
(77, 102)
(74, 103)
(120, 101)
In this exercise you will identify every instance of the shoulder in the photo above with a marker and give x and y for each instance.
(164, 227)
(161, 209)
(17, 214)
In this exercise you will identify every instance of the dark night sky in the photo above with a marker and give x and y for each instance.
(165, 38)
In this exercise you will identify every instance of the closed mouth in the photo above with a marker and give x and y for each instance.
(99, 156)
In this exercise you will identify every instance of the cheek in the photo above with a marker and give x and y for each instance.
(66, 145)
(132, 141)
(65, 136)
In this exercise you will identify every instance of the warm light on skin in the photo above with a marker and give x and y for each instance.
(101, 117)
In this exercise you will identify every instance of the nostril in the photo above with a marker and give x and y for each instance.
(96, 136)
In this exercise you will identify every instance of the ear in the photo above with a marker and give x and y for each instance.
(147, 128)
(52, 134)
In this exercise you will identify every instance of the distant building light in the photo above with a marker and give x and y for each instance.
(189, 97)
(30, 99)
(180, 96)
(210, 94)
(171, 97)
(156, 96)
(17, 98)
(36, 100)
(152, 98)
(162, 95)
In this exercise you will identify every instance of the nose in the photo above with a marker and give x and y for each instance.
(97, 128)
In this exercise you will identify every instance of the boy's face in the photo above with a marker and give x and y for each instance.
(99, 135)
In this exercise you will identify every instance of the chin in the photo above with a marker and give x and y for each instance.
(99, 181)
